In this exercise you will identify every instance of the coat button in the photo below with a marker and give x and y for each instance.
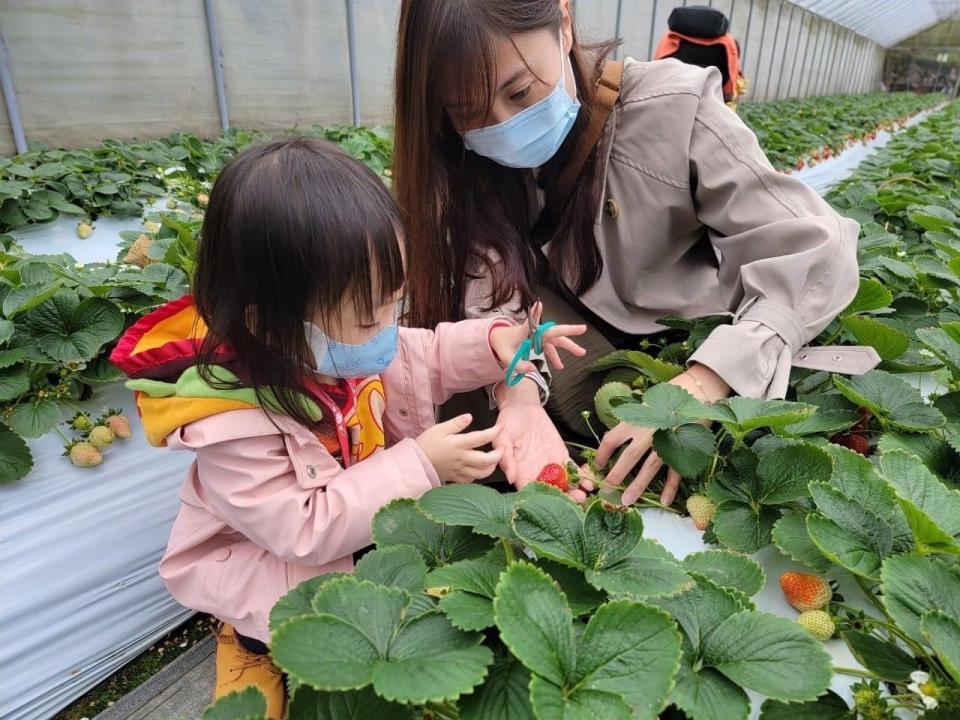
(613, 208)
(311, 471)
(403, 412)
(222, 554)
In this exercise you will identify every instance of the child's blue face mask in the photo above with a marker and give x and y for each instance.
(342, 360)
(533, 135)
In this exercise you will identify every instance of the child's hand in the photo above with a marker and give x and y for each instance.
(453, 453)
(505, 342)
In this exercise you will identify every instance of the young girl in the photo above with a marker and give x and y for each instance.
(308, 409)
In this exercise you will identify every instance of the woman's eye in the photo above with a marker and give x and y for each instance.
(520, 94)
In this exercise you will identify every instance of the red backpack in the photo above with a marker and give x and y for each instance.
(700, 36)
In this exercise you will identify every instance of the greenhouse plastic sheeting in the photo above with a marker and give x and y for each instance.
(825, 175)
(680, 537)
(79, 549)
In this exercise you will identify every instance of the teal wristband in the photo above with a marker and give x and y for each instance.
(534, 344)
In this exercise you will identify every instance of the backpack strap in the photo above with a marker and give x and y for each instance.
(608, 90)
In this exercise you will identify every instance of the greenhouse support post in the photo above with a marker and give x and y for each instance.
(216, 59)
(616, 28)
(653, 20)
(10, 98)
(352, 54)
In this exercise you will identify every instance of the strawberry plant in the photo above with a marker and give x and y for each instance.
(122, 178)
(804, 131)
(477, 604)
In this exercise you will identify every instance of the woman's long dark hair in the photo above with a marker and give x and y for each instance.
(294, 227)
(459, 208)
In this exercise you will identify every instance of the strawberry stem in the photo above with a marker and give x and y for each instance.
(508, 551)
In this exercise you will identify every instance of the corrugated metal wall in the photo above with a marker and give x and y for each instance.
(84, 70)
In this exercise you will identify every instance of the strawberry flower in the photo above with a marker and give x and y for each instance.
(926, 689)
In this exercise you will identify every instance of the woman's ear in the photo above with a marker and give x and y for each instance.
(566, 26)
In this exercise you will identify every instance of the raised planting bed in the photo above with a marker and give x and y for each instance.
(798, 132)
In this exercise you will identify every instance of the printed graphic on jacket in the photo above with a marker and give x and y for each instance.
(159, 354)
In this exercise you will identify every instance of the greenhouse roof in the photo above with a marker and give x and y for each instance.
(886, 22)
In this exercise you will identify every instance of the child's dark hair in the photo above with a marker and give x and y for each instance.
(293, 228)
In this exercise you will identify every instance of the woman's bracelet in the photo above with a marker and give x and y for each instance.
(696, 381)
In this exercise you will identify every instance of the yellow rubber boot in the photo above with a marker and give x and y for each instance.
(238, 668)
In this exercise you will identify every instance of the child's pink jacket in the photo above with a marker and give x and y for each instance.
(266, 506)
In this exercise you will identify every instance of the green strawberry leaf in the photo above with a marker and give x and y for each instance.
(550, 701)
(926, 500)
(467, 611)
(581, 595)
(35, 418)
(941, 344)
(943, 634)
(889, 342)
(743, 527)
(785, 473)
(536, 623)
(881, 657)
(350, 705)
(853, 517)
(664, 407)
(792, 539)
(552, 526)
(478, 576)
(891, 400)
(655, 369)
(843, 547)
(700, 608)
(399, 566)
(479, 507)
(610, 534)
(770, 655)
(71, 330)
(504, 696)
(826, 707)
(299, 600)
(741, 415)
(630, 650)
(14, 382)
(15, 457)
(912, 586)
(871, 295)
(648, 571)
(401, 522)
(247, 704)
(821, 422)
(688, 449)
(360, 637)
(706, 694)
(727, 569)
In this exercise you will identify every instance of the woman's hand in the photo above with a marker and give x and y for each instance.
(528, 438)
(701, 382)
(505, 340)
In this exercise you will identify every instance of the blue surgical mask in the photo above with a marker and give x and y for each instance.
(342, 360)
(533, 135)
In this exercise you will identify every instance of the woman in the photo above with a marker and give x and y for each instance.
(676, 211)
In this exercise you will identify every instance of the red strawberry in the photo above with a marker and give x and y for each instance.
(865, 416)
(556, 475)
(805, 591)
(853, 441)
